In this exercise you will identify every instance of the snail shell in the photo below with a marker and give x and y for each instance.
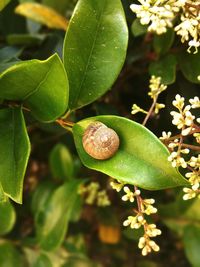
(99, 141)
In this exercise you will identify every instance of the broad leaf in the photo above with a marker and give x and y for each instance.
(140, 160)
(191, 240)
(190, 66)
(41, 85)
(61, 162)
(15, 149)
(52, 220)
(164, 68)
(94, 49)
(7, 217)
(10, 256)
(42, 14)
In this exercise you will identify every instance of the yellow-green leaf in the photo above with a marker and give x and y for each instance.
(42, 14)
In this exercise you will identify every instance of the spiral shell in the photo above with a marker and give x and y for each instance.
(99, 141)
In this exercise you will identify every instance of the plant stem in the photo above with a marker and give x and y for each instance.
(150, 111)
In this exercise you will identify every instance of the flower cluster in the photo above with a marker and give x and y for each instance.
(155, 88)
(186, 122)
(137, 220)
(160, 15)
(92, 194)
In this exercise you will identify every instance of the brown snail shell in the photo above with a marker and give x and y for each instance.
(99, 141)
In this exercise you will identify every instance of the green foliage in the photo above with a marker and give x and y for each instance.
(41, 70)
(137, 28)
(130, 164)
(94, 49)
(191, 242)
(10, 256)
(190, 65)
(41, 85)
(162, 43)
(7, 217)
(15, 145)
(51, 230)
(164, 68)
(61, 162)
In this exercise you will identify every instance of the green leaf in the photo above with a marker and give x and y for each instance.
(7, 217)
(190, 66)
(9, 52)
(42, 261)
(164, 68)
(36, 258)
(15, 149)
(137, 28)
(41, 196)
(9, 256)
(94, 49)
(52, 220)
(61, 162)
(140, 160)
(63, 5)
(191, 241)
(163, 42)
(25, 39)
(3, 3)
(41, 85)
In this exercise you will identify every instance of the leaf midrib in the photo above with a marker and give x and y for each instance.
(90, 55)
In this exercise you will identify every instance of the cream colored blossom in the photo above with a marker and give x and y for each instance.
(102, 199)
(190, 193)
(165, 135)
(195, 102)
(136, 109)
(129, 196)
(135, 222)
(156, 87)
(147, 245)
(116, 186)
(157, 15)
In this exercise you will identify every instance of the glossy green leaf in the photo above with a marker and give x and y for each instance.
(7, 217)
(52, 220)
(3, 3)
(163, 42)
(15, 149)
(190, 66)
(140, 160)
(61, 162)
(94, 49)
(137, 28)
(10, 256)
(164, 68)
(41, 85)
(191, 239)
